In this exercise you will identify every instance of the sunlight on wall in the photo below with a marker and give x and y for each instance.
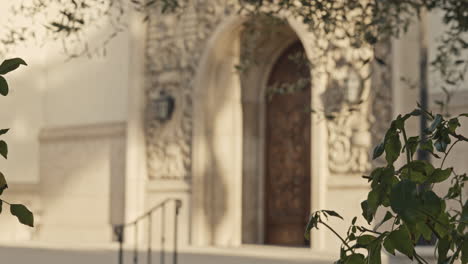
(53, 91)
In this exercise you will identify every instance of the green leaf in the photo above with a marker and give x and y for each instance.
(412, 144)
(440, 175)
(368, 215)
(378, 150)
(4, 131)
(365, 240)
(308, 228)
(389, 246)
(11, 65)
(440, 145)
(375, 176)
(3, 183)
(416, 112)
(413, 175)
(373, 200)
(453, 124)
(432, 204)
(437, 121)
(443, 246)
(3, 86)
(429, 147)
(392, 146)
(23, 214)
(441, 225)
(464, 251)
(313, 221)
(355, 259)
(404, 201)
(401, 240)
(424, 230)
(399, 122)
(333, 213)
(418, 171)
(374, 256)
(3, 149)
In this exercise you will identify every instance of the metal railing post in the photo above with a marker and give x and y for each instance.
(150, 234)
(176, 218)
(163, 234)
(135, 248)
(120, 229)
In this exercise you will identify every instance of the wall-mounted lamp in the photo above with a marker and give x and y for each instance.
(163, 106)
(353, 86)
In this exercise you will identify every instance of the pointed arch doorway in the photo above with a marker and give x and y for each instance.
(287, 151)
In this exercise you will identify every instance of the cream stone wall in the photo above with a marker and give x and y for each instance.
(67, 143)
(82, 182)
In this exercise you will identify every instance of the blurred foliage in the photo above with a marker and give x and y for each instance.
(407, 195)
(20, 211)
(362, 23)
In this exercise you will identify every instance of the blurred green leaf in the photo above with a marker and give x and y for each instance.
(392, 146)
(437, 121)
(378, 150)
(23, 214)
(3, 149)
(440, 175)
(3, 183)
(3, 86)
(355, 259)
(4, 131)
(365, 240)
(401, 240)
(11, 65)
(333, 213)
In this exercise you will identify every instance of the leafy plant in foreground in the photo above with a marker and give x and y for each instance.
(20, 211)
(407, 194)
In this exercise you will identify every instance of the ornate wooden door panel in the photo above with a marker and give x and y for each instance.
(287, 183)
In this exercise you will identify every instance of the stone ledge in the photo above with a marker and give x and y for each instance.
(83, 131)
(169, 185)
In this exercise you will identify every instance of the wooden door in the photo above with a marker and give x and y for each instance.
(287, 183)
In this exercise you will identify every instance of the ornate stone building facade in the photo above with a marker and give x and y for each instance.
(243, 154)
(215, 142)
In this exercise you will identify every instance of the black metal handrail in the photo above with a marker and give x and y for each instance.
(120, 229)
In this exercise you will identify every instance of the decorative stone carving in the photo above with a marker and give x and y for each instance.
(169, 145)
(174, 47)
(349, 137)
(354, 130)
(349, 142)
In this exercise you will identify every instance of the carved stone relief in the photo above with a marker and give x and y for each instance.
(349, 136)
(175, 44)
(354, 130)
